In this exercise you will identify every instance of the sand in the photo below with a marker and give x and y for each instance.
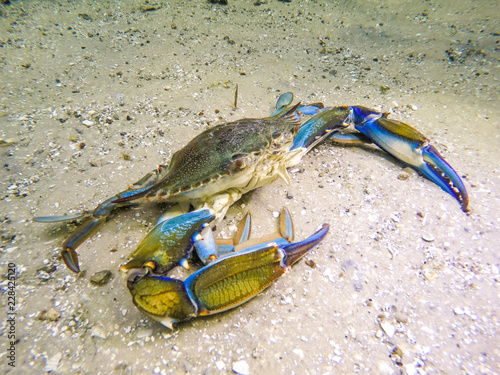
(93, 96)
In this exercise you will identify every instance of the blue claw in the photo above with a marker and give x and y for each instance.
(222, 285)
(409, 145)
(395, 137)
(286, 225)
(438, 170)
(295, 251)
(169, 243)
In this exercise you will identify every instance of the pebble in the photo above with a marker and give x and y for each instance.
(384, 368)
(311, 263)
(120, 98)
(87, 123)
(53, 315)
(221, 365)
(256, 352)
(401, 318)
(101, 277)
(299, 353)
(406, 173)
(429, 272)
(43, 276)
(411, 369)
(458, 311)
(147, 332)
(98, 333)
(328, 273)
(403, 176)
(351, 238)
(388, 328)
(241, 367)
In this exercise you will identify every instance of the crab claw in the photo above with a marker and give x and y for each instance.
(409, 145)
(169, 243)
(222, 285)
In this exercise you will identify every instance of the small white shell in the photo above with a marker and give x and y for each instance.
(52, 363)
(241, 367)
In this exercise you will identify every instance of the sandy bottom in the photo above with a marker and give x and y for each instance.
(93, 96)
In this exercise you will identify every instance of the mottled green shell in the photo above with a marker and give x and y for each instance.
(224, 150)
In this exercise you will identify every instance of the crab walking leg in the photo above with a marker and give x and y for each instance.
(243, 233)
(284, 236)
(210, 249)
(320, 127)
(220, 286)
(409, 145)
(95, 219)
(87, 229)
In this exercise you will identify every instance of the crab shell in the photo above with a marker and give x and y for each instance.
(226, 161)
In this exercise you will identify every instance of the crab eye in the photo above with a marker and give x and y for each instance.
(237, 156)
(277, 134)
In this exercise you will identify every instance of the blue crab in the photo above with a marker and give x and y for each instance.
(209, 174)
